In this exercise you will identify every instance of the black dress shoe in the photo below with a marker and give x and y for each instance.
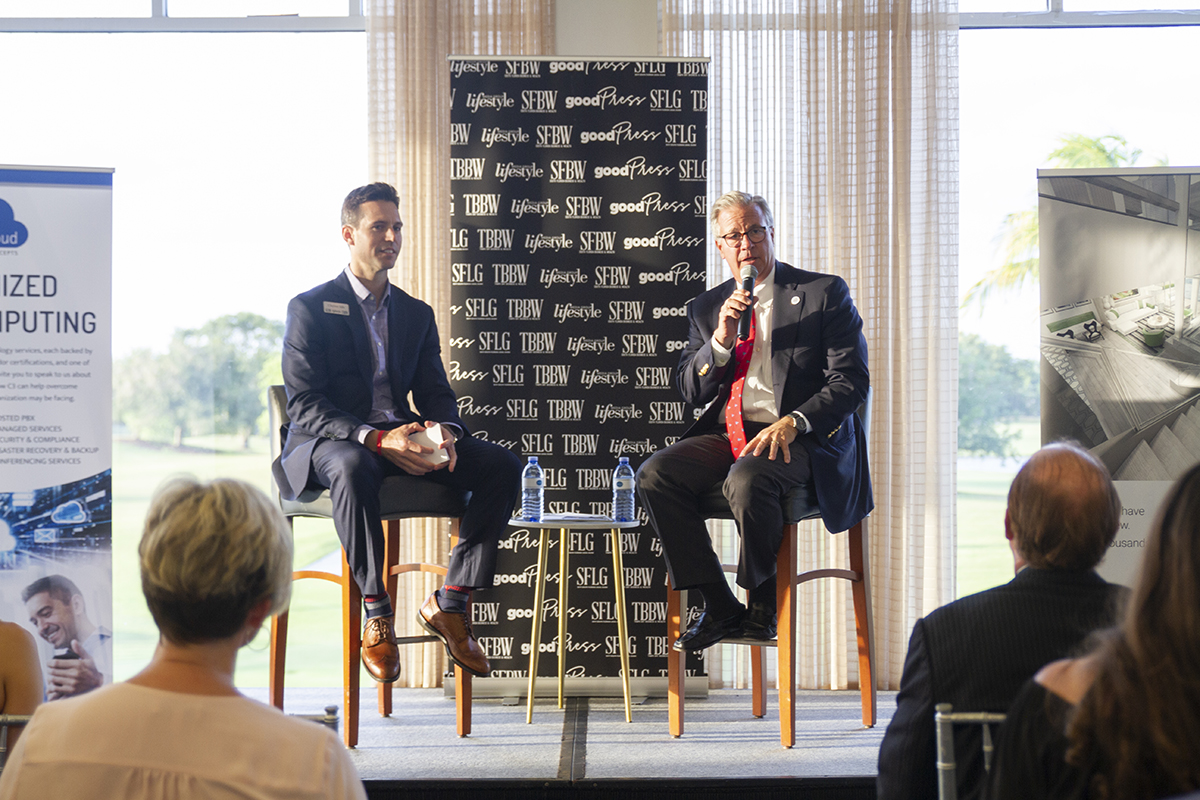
(759, 622)
(706, 631)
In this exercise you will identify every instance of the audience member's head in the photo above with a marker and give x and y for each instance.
(1140, 720)
(57, 610)
(210, 553)
(1063, 510)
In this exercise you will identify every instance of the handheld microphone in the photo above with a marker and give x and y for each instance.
(749, 276)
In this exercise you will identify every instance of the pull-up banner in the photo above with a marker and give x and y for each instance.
(579, 234)
(56, 417)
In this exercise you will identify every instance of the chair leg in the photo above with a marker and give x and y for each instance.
(351, 653)
(861, 591)
(676, 685)
(462, 700)
(785, 591)
(391, 556)
(758, 681)
(278, 657)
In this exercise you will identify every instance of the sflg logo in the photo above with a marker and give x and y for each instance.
(12, 233)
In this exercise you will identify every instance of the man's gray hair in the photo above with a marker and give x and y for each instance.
(740, 200)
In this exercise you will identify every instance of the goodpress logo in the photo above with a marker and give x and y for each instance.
(507, 169)
(612, 412)
(457, 373)
(662, 312)
(540, 208)
(568, 66)
(651, 203)
(507, 444)
(606, 98)
(612, 277)
(525, 578)
(566, 277)
(491, 136)
(634, 168)
(676, 345)
(468, 408)
(582, 344)
(478, 100)
(621, 132)
(593, 377)
(566, 311)
(664, 238)
(680, 273)
(458, 68)
(540, 241)
(554, 135)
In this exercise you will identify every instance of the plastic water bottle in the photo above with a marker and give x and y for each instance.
(532, 491)
(622, 483)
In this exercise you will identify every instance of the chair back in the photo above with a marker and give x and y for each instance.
(7, 721)
(945, 719)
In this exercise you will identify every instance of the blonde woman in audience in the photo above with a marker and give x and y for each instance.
(216, 561)
(20, 676)
(1122, 723)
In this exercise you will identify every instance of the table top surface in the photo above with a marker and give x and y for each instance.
(577, 522)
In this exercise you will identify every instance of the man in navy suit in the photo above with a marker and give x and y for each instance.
(797, 380)
(354, 349)
(977, 652)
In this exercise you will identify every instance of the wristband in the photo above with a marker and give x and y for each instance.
(379, 443)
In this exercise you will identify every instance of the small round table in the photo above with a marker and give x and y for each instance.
(566, 523)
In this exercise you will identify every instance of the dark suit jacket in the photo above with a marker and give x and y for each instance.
(818, 366)
(327, 372)
(975, 654)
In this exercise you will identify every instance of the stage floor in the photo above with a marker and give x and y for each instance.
(589, 739)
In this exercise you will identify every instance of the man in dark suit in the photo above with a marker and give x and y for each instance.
(977, 652)
(354, 349)
(798, 378)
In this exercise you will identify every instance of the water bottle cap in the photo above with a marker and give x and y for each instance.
(624, 460)
(533, 459)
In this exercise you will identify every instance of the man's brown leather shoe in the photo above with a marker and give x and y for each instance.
(380, 655)
(455, 632)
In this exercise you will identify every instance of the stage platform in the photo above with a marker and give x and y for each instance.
(588, 750)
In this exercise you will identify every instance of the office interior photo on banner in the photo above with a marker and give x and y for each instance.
(1120, 330)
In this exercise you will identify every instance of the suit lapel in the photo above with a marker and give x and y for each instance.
(788, 308)
(358, 329)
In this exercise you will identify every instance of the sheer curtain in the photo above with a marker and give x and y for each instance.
(843, 114)
(409, 147)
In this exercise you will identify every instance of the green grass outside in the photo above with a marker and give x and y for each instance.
(314, 648)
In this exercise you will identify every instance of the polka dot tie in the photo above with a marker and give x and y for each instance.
(733, 409)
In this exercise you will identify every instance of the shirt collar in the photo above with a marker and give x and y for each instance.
(361, 291)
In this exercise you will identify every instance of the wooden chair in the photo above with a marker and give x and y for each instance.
(945, 719)
(402, 497)
(798, 505)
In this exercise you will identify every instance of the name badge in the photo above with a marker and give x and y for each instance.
(341, 309)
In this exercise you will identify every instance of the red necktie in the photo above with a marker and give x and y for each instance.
(733, 409)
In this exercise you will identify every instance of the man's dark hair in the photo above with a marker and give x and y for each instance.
(366, 194)
(59, 587)
(1063, 508)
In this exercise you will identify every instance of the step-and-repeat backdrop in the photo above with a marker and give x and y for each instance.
(579, 234)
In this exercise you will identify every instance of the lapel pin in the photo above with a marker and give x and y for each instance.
(795, 300)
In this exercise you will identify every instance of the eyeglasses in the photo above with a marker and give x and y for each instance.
(755, 235)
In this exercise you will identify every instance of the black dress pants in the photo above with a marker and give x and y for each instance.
(354, 475)
(671, 482)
